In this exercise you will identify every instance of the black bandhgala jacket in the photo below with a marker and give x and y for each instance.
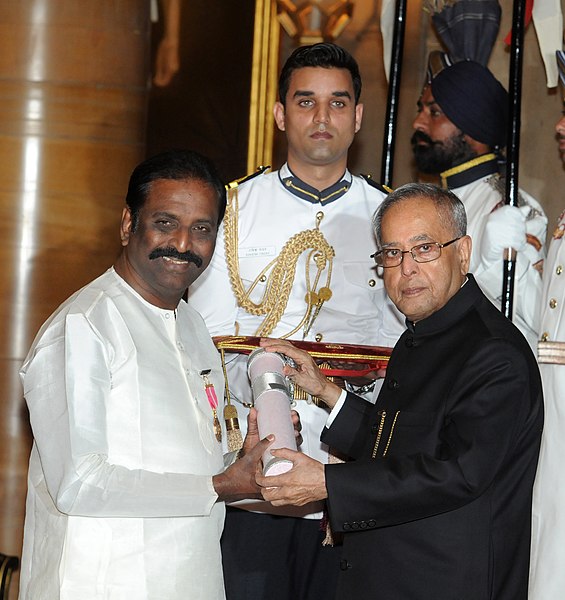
(436, 501)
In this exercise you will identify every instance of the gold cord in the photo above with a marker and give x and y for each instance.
(234, 437)
(282, 273)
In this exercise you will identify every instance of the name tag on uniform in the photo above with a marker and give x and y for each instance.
(256, 251)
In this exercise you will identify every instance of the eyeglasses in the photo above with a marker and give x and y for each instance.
(422, 253)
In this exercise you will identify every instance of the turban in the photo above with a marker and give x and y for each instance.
(560, 55)
(474, 101)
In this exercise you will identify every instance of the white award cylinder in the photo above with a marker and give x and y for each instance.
(271, 397)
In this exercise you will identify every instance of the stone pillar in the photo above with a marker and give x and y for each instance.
(73, 88)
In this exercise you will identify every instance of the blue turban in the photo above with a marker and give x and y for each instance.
(474, 101)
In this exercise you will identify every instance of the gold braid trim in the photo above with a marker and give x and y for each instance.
(282, 272)
(465, 167)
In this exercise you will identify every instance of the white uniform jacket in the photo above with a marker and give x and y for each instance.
(271, 211)
(547, 573)
(120, 499)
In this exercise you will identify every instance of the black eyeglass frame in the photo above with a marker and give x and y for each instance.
(411, 251)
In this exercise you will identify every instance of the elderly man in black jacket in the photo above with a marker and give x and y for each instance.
(435, 501)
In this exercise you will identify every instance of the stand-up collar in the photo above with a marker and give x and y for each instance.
(470, 171)
(306, 192)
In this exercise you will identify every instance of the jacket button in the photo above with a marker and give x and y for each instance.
(392, 384)
(363, 524)
(344, 564)
(409, 342)
(559, 270)
(372, 523)
(346, 527)
(354, 525)
(374, 428)
(553, 303)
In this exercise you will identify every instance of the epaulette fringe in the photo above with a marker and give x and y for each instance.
(379, 186)
(233, 184)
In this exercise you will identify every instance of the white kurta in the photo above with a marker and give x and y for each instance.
(358, 312)
(547, 567)
(480, 198)
(120, 501)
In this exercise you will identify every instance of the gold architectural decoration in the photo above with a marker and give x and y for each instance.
(263, 85)
(311, 21)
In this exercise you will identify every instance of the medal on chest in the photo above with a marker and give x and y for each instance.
(213, 401)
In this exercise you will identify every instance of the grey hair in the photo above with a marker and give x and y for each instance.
(450, 209)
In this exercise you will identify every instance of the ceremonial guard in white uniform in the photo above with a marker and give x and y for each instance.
(295, 263)
(547, 573)
(460, 130)
(481, 189)
(301, 269)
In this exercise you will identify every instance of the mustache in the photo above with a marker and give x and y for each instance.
(171, 252)
(420, 136)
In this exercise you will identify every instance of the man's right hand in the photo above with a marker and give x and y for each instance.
(306, 374)
(237, 482)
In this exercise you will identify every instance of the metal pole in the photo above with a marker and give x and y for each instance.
(393, 92)
(513, 145)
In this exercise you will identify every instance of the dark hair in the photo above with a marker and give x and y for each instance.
(324, 55)
(172, 164)
(450, 209)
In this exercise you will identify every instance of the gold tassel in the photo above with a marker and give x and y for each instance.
(234, 437)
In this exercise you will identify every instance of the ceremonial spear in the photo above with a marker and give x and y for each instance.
(395, 70)
(513, 145)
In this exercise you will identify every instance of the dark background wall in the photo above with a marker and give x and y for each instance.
(206, 106)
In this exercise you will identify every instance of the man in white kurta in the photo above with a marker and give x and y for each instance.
(547, 572)
(459, 130)
(121, 495)
(126, 471)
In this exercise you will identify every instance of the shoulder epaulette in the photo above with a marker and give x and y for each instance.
(236, 182)
(379, 186)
